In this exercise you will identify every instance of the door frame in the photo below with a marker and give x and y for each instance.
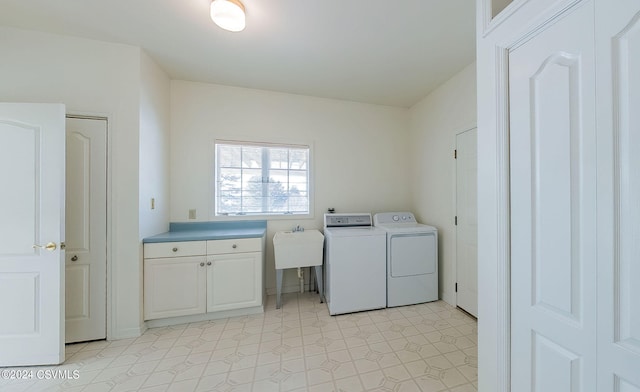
(110, 320)
(495, 39)
(455, 201)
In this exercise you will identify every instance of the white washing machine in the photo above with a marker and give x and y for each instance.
(355, 263)
(412, 259)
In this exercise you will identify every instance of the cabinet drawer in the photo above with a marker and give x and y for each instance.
(234, 246)
(175, 249)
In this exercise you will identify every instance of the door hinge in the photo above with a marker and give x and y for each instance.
(456, 287)
(455, 154)
(455, 220)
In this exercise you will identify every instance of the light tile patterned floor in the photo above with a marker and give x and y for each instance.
(426, 347)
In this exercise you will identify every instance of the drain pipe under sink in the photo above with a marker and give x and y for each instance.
(301, 277)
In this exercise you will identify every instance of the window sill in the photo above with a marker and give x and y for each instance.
(267, 217)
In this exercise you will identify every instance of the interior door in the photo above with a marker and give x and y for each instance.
(618, 53)
(31, 233)
(86, 229)
(467, 221)
(553, 204)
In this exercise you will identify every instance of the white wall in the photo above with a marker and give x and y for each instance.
(434, 123)
(97, 78)
(360, 150)
(154, 147)
(154, 155)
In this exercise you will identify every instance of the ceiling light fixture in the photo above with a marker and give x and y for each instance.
(228, 14)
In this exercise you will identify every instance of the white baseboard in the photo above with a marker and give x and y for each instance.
(203, 317)
(127, 333)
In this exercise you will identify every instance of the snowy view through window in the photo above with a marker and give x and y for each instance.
(260, 179)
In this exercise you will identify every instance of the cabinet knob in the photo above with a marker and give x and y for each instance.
(74, 258)
(234, 246)
(202, 264)
(208, 263)
(175, 249)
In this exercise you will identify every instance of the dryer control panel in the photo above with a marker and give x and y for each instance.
(393, 217)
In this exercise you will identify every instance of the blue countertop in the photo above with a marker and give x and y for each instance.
(203, 231)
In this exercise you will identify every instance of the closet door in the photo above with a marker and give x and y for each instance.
(618, 53)
(553, 206)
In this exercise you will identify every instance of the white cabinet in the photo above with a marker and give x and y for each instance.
(174, 279)
(234, 281)
(234, 274)
(196, 277)
(174, 286)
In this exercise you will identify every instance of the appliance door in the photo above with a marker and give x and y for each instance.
(412, 254)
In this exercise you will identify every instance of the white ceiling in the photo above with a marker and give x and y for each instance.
(389, 52)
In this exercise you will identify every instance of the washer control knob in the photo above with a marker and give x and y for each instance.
(396, 218)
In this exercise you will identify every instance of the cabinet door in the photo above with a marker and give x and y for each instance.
(234, 281)
(174, 286)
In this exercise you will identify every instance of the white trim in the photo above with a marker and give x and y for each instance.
(164, 322)
(266, 143)
(259, 143)
(492, 22)
(127, 333)
(543, 22)
(503, 228)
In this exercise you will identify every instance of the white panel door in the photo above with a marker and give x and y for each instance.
(86, 229)
(553, 204)
(618, 51)
(467, 221)
(32, 213)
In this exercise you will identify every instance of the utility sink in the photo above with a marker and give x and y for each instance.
(296, 249)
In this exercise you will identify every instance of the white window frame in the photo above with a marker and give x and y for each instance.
(215, 215)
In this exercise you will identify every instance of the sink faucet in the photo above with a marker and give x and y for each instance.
(297, 229)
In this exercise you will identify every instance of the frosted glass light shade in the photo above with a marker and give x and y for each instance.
(228, 14)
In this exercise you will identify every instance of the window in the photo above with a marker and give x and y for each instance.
(258, 178)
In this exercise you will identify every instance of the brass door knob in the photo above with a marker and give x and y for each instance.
(51, 246)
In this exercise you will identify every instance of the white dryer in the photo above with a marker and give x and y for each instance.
(412, 259)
